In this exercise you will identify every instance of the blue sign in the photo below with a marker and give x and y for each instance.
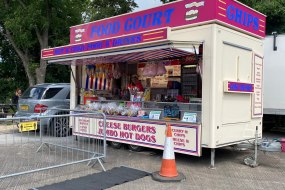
(239, 87)
(242, 17)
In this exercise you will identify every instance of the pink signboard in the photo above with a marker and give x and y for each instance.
(238, 87)
(149, 36)
(179, 13)
(240, 16)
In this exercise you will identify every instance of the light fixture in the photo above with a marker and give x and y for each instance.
(275, 34)
(190, 66)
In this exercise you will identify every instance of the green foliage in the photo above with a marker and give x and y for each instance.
(100, 9)
(58, 73)
(30, 22)
(274, 10)
(12, 73)
(22, 20)
(27, 19)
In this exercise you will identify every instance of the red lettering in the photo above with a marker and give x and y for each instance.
(179, 144)
(145, 138)
(111, 133)
(139, 128)
(126, 135)
(179, 135)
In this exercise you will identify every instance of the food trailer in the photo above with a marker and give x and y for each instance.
(196, 65)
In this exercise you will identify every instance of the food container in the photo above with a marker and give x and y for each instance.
(89, 99)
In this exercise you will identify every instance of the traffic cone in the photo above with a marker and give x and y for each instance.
(168, 171)
(168, 166)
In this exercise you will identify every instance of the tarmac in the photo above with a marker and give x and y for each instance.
(230, 172)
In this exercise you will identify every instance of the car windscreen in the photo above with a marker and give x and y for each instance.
(33, 93)
(51, 92)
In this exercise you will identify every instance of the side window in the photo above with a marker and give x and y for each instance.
(50, 93)
(68, 96)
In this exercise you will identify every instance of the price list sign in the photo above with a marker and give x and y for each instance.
(257, 98)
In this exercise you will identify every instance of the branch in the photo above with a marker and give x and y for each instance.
(22, 3)
(39, 36)
(43, 37)
(23, 56)
(6, 4)
(9, 36)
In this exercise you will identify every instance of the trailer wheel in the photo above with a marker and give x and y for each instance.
(116, 145)
(135, 148)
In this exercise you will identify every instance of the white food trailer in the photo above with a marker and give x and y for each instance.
(274, 68)
(212, 52)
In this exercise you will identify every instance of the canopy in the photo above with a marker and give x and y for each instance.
(169, 50)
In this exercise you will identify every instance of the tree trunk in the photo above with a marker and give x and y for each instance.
(23, 56)
(43, 40)
(31, 78)
(41, 72)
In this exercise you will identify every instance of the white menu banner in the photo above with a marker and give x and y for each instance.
(148, 133)
(257, 98)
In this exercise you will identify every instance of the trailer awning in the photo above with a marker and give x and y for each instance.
(134, 55)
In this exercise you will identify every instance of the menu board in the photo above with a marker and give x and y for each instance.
(257, 98)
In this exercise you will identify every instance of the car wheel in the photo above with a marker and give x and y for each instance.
(116, 145)
(59, 126)
(135, 148)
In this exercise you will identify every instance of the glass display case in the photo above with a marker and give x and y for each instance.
(168, 111)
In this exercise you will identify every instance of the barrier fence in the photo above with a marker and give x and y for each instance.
(42, 143)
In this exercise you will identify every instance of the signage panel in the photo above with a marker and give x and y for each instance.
(148, 133)
(240, 16)
(28, 126)
(257, 98)
(139, 38)
(179, 13)
(238, 87)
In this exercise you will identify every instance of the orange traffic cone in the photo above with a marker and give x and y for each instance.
(168, 171)
(168, 166)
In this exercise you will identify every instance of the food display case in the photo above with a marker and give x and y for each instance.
(121, 108)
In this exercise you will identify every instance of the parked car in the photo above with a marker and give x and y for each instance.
(46, 99)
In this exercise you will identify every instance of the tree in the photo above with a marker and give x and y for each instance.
(100, 9)
(274, 10)
(11, 72)
(32, 25)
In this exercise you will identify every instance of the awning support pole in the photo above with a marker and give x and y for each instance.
(73, 76)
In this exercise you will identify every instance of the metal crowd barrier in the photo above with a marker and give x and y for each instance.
(33, 144)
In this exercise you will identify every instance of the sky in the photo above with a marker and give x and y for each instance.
(145, 4)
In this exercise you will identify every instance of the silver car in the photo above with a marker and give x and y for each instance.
(47, 99)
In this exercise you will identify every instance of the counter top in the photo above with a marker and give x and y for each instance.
(142, 120)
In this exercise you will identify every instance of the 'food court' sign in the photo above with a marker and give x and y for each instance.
(179, 13)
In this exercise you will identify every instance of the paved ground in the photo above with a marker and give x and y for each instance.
(230, 172)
